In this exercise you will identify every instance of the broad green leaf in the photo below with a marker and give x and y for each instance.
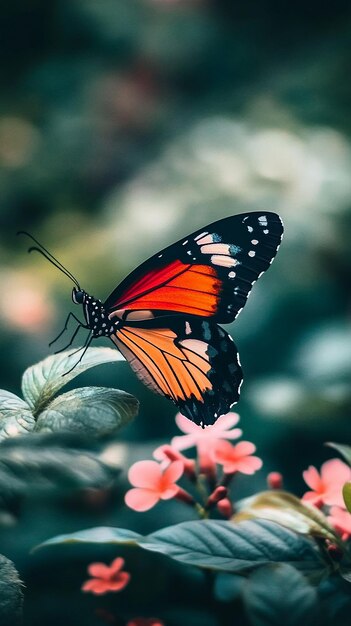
(344, 450)
(42, 381)
(233, 547)
(346, 492)
(100, 534)
(278, 594)
(217, 545)
(15, 415)
(32, 464)
(285, 509)
(92, 411)
(11, 595)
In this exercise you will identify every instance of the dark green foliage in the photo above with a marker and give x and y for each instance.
(278, 594)
(11, 594)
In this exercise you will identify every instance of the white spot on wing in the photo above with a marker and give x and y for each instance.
(224, 261)
(266, 231)
(254, 242)
(215, 248)
(252, 253)
(205, 240)
(232, 274)
(250, 229)
(187, 328)
(185, 242)
(202, 235)
(263, 220)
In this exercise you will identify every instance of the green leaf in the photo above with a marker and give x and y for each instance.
(42, 381)
(92, 411)
(285, 509)
(233, 547)
(344, 450)
(216, 544)
(100, 534)
(346, 492)
(346, 574)
(11, 596)
(278, 594)
(34, 464)
(15, 415)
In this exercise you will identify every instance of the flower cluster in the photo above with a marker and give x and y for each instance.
(105, 578)
(153, 481)
(326, 490)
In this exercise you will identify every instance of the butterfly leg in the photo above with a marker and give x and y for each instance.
(66, 326)
(85, 348)
(72, 339)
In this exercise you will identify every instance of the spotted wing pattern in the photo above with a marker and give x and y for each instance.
(192, 361)
(208, 274)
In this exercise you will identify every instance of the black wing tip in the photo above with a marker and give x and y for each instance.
(203, 414)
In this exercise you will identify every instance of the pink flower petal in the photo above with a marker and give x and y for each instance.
(235, 433)
(169, 493)
(333, 496)
(183, 442)
(173, 472)
(312, 478)
(141, 499)
(116, 565)
(120, 583)
(99, 570)
(96, 586)
(225, 422)
(244, 448)
(335, 471)
(340, 520)
(250, 465)
(159, 453)
(312, 497)
(145, 474)
(185, 425)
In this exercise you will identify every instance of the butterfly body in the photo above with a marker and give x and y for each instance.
(164, 316)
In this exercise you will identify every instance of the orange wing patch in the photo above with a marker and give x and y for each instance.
(179, 287)
(179, 371)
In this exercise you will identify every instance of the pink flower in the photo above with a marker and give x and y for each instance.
(237, 458)
(152, 484)
(205, 438)
(327, 487)
(106, 577)
(341, 521)
(166, 453)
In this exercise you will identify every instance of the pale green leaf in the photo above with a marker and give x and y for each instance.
(285, 509)
(41, 381)
(92, 411)
(16, 417)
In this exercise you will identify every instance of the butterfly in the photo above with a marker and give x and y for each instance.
(164, 316)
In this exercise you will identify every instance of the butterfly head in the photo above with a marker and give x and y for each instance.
(78, 296)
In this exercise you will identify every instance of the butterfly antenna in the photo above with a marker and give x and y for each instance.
(49, 257)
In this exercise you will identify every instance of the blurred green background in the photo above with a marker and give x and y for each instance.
(126, 124)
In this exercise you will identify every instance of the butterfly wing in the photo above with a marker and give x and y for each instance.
(209, 274)
(192, 361)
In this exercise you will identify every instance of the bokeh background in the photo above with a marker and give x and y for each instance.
(126, 124)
